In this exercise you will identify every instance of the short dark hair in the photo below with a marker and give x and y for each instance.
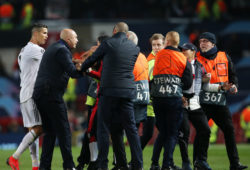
(101, 38)
(37, 27)
(156, 36)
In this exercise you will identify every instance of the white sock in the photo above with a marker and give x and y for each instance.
(93, 148)
(27, 140)
(34, 153)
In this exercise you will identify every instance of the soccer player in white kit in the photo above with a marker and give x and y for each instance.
(29, 60)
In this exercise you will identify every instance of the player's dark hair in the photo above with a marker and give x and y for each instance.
(37, 27)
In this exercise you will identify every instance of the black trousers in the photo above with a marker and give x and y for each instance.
(55, 124)
(201, 142)
(117, 136)
(168, 114)
(147, 131)
(117, 110)
(222, 117)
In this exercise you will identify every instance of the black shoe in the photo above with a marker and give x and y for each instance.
(173, 167)
(137, 168)
(70, 169)
(155, 167)
(238, 166)
(176, 167)
(120, 168)
(79, 167)
(115, 168)
(201, 165)
(92, 166)
(186, 166)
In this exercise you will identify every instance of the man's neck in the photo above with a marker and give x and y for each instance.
(34, 41)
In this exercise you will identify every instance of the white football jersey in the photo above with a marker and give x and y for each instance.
(29, 60)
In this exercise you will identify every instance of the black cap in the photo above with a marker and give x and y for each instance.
(189, 46)
(209, 36)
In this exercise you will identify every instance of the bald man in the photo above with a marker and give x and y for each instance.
(55, 69)
(117, 91)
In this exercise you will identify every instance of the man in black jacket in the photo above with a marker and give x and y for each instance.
(52, 79)
(117, 90)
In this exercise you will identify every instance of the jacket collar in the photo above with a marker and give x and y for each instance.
(120, 34)
(172, 48)
(65, 43)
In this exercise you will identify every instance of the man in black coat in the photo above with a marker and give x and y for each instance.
(117, 90)
(52, 79)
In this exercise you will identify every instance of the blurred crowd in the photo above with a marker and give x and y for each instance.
(20, 13)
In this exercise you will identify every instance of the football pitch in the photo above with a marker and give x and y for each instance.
(217, 157)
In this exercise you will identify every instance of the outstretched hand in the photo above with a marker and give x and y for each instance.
(226, 86)
(184, 102)
(85, 55)
(233, 89)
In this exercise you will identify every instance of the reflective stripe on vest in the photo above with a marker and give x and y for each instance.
(151, 63)
(142, 92)
(141, 80)
(218, 68)
(168, 70)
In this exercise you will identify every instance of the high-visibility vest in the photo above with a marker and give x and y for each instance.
(141, 79)
(246, 114)
(141, 68)
(245, 121)
(219, 7)
(151, 64)
(214, 129)
(202, 9)
(151, 56)
(218, 67)
(27, 13)
(7, 12)
(168, 71)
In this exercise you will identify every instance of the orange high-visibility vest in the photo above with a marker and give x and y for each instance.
(141, 80)
(218, 67)
(169, 62)
(141, 68)
(168, 71)
(246, 114)
(151, 56)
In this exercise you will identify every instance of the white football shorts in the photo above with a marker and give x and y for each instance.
(31, 115)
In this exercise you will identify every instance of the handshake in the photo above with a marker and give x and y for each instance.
(79, 60)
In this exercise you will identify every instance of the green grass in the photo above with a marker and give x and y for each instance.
(217, 157)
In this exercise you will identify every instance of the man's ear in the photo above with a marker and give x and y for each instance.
(114, 31)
